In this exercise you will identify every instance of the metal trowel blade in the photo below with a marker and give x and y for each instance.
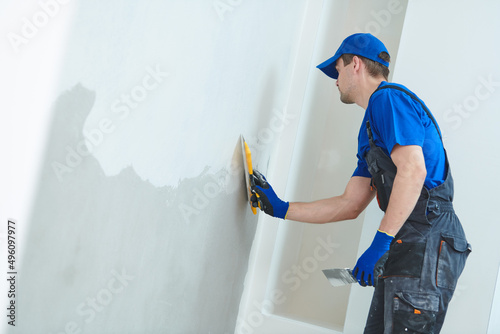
(339, 277)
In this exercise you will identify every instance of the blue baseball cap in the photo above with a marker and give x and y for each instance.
(365, 45)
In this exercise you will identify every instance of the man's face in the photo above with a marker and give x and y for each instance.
(344, 81)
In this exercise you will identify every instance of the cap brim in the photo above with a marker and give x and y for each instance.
(328, 67)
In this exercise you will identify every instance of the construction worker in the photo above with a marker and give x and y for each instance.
(420, 245)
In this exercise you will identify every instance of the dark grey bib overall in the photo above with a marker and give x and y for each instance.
(425, 258)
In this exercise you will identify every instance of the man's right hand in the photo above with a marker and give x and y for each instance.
(264, 197)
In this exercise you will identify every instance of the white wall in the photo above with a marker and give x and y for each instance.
(121, 157)
(494, 323)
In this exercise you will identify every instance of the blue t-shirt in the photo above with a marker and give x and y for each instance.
(396, 118)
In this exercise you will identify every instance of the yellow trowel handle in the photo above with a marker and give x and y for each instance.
(250, 169)
(249, 159)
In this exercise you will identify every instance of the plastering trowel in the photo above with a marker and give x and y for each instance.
(247, 163)
(339, 277)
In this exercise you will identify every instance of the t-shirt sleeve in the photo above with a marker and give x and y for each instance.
(362, 168)
(397, 120)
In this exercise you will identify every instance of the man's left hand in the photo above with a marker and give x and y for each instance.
(363, 271)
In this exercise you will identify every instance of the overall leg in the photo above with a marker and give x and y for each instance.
(375, 320)
(409, 309)
(410, 305)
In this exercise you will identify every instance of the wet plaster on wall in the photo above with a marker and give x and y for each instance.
(119, 255)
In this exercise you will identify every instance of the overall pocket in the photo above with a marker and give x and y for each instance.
(383, 186)
(414, 312)
(406, 259)
(453, 253)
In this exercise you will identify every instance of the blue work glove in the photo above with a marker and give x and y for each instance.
(264, 197)
(363, 271)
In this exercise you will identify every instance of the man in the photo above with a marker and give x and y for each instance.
(420, 244)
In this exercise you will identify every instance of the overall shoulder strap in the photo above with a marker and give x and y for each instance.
(370, 135)
(415, 98)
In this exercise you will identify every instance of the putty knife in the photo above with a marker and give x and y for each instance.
(247, 163)
(339, 277)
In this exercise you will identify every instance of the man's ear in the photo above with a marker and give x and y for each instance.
(357, 63)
